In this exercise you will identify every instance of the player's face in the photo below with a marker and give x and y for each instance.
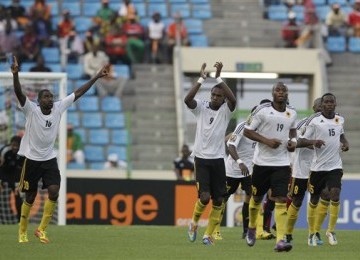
(280, 94)
(217, 97)
(46, 101)
(328, 104)
(14, 147)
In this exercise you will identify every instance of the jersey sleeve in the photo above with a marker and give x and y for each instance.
(254, 121)
(308, 131)
(66, 102)
(28, 107)
(236, 136)
(197, 109)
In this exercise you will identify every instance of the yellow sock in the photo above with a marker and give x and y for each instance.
(334, 214)
(217, 228)
(214, 218)
(24, 219)
(311, 210)
(280, 220)
(321, 212)
(253, 212)
(49, 208)
(292, 216)
(198, 211)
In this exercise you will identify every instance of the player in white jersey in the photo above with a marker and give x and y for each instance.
(209, 149)
(37, 146)
(301, 160)
(325, 131)
(272, 126)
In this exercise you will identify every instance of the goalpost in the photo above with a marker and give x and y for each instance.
(12, 122)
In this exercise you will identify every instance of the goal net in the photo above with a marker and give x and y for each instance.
(12, 122)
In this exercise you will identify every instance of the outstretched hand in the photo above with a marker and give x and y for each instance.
(202, 71)
(104, 71)
(15, 65)
(218, 65)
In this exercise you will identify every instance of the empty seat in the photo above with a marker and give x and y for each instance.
(97, 166)
(80, 82)
(319, 2)
(82, 24)
(73, 118)
(99, 136)
(94, 153)
(200, 40)
(114, 120)
(177, 1)
(159, 8)
(82, 133)
(354, 44)
(55, 67)
(277, 12)
(299, 11)
(194, 26)
(182, 9)
(153, 1)
(51, 54)
(74, 71)
(54, 8)
(122, 70)
(340, 2)
(75, 166)
(120, 137)
(88, 103)
(199, 1)
(90, 8)
(322, 11)
(119, 150)
(140, 9)
(201, 11)
(336, 44)
(26, 66)
(92, 120)
(73, 7)
(111, 104)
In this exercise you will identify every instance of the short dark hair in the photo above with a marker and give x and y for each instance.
(327, 94)
(41, 92)
(265, 101)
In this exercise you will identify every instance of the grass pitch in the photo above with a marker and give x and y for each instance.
(163, 242)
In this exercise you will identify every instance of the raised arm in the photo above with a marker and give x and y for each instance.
(230, 97)
(17, 86)
(189, 98)
(82, 90)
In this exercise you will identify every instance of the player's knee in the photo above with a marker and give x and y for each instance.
(335, 194)
(205, 198)
(53, 192)
(297, 201)
(218, 201)
(30, 197)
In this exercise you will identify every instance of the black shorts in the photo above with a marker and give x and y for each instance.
(275, 178)
(232, 185)
(210, 177)
(33, 171)
(298, 187)
(324, 179)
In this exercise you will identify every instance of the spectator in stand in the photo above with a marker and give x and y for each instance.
(30, 46)
(74, 146)
(336, 21)
(65, 26)
(135, 45)
(126, 10)
(354, 20)
(40, 9)
(42, 29)
(290, 31)
(40, 65)
(104, 14)
(71, 48)
(312, 26)
(18, 12)
(9, 43)
(113, 162)
(111, 85)
(105, 28)
(184, 165)
(93, 61)
(156, 31)
(176, 28)
(90, 41)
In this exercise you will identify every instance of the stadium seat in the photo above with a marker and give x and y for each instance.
(26, 66)
(73, 7)
(277, 12)
(88, 103)
(94, 153)
(194, 26)
(51, 54)
(54, 67)
(82, 24)
(114, 120)
(99, 136)
(78, 83)
(97, 166)
(75, 166)
(299, 11)
(177, 1)
(111, 104)
(119, 150)
(322, 11)
(340, 2)
(73, 118)
(92, 120)
(140, 9)
(120, 137)
(336, 44)
(54, 8)
(183, 9)
(319, 2)
(154, 1)
(144, 21)
(83, 134)
(200, 40)
(74, 71)
(2, 102)
(122, 70)
(354, 44)
(201, 11)
(90, 8)
(161, 8)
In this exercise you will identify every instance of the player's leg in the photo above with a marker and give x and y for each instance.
(246, 186)
(218, 192)
(268, 208)
(321, 213)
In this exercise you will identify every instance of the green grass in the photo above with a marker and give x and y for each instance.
(162, 242)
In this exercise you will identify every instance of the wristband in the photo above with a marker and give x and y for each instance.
(219, 80)
(238, 161)
(201, 80)
(294, 140)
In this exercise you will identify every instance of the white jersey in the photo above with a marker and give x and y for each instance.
(302, 157)
(41, 130)
(210, 130)
(245, 149)
(318, 127)
(271, 123)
